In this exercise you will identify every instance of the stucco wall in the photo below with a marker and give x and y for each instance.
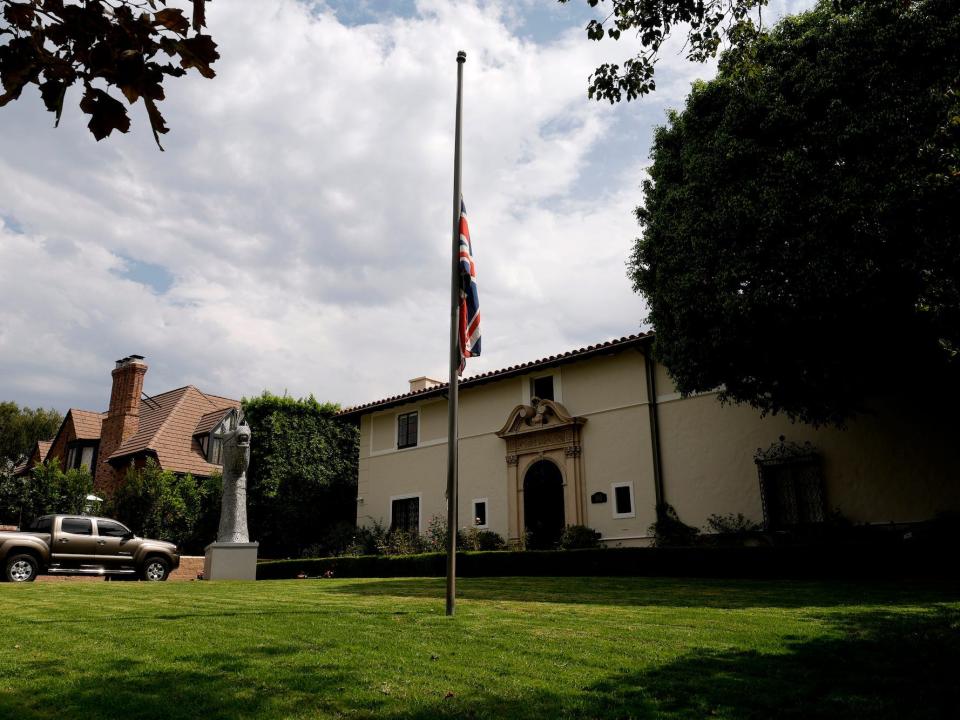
(898, 464)
(608, 391)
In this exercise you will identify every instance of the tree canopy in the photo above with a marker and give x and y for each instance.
(132, 45)
(801, 221)
(47, 489)
(707, 23)
(21, 427)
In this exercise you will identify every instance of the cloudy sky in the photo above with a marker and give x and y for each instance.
(295, 234)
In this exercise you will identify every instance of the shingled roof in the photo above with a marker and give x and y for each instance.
(37, 456)
(604, 348)
(168, 423)
(86, 423)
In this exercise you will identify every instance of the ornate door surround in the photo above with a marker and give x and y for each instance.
(543, 430)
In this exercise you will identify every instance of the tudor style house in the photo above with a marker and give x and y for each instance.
(178, 429)
(599, 437)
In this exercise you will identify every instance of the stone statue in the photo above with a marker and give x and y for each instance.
(233, 507)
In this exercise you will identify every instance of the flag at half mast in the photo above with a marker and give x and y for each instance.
(469, 297)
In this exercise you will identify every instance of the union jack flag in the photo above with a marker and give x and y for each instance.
(469, 298)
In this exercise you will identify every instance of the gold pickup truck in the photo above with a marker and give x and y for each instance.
(81, 545)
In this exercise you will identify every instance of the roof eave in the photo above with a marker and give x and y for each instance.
(573, 356)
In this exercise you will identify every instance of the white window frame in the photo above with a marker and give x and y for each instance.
(633, 501)
(473, 512)
(396, 430)
(408, 496)
(557, 386)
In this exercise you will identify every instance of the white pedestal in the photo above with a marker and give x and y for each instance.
(230, 561)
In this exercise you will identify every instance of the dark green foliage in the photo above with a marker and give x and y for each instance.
(369, 540)
(21, 427)
(852, 560)
(707, 23)
(47, 489)
(339, 539)
(378, 540)
(476, 539)
(55, 44)
(159, 504)
(801, 223)
(579, 537)
(303, 472)
(732, 524)
(670, 531)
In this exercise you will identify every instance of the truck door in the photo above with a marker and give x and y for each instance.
(115, 545)
(74, 544)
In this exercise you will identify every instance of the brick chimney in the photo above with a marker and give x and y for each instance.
(122, 420)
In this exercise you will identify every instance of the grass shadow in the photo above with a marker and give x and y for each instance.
(866, 664)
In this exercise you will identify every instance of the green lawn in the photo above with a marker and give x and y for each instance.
(518, 648)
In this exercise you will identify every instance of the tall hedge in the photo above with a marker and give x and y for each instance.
(302, 475)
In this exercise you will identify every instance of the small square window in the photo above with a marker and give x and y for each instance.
(407, 430)
(480, 513)
(542, 387)
(623, 500)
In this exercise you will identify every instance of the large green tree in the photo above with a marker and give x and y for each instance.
(131, 46)
(303, 472)
(706, 23)
(21, 427)
(801, 221)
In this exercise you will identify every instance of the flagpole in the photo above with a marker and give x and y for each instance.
(452, 400)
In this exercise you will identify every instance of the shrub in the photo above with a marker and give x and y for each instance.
(366, 540)
(400, 542)
(732, 524)
(670, 531)
(579, 537)
(435, 539)
(47, 490)
(475, 539)
(733, 562)
(160, 504)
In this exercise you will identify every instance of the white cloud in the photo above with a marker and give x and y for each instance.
(303, 210)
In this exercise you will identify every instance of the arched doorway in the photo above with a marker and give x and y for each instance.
(543, 504)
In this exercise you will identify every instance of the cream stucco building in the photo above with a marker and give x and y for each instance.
(598, 436)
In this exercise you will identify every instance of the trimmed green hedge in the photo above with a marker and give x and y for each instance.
(820, 561)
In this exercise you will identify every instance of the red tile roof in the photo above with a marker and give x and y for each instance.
(604, 348)
(168, 423)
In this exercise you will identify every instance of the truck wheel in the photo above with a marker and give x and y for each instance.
(21, 568)
(155, 569)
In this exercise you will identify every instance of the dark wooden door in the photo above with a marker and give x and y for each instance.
(543, 505)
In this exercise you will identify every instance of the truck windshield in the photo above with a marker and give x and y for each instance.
(43, 525)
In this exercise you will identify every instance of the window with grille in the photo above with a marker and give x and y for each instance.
(791, 485)
(405, 514)
(407, 430)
